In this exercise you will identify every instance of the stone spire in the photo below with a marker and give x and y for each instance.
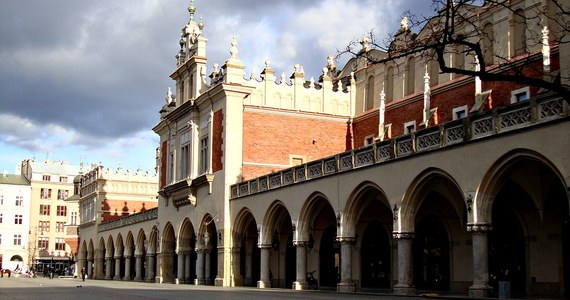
(190, 37)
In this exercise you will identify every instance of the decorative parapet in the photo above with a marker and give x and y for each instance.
(146, 215)
(491, 123)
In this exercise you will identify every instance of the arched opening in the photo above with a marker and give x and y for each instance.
(376, 256)
(411, 76)
(169, 258)
(487, 40)
(329, 258)
(250, 256)
(370, 93)
(507, 241)
(519, 32)
(390, 84)
(529, 214)
(431, 255)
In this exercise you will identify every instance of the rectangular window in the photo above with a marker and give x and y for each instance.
(409, 127)
(17, 239)
(204, 155)
(369, 140)
(61, 211)
(44, 210)
(60, 244)
(46, 178)
(43, 243)
(184, 167)
(459, 112)
(45, 193)
(73, 220)
(43, 226)
(0, 239)
(18, 219)
(19, 200)
(519, 95)
(59, 226)
(1, 199)
(62, 194)
(62, 179)
(1, 217)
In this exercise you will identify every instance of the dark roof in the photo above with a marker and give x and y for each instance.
(14, 179)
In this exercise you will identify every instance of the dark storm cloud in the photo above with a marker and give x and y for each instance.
(100, 68)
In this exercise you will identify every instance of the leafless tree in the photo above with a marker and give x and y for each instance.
(457, 29)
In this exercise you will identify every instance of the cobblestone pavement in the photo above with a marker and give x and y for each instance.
(70, 288)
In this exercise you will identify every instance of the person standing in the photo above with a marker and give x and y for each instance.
(83, 274)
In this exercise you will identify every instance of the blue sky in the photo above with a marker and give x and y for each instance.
(83, 81)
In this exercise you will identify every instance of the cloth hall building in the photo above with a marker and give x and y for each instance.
(375, 176)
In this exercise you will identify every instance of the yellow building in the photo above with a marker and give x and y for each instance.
(51, 183)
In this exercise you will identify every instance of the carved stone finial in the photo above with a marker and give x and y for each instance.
(233, 49)
(282, 78)
(330, 62)
(169, 96)
(404, 24)
(365, 43)
(267, 62)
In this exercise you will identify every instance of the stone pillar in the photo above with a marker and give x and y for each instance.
(207, 267)
(180, 267)
(264, 281)
(346, 285)
(479, 235)
(127, 267)
(109, 267)
(150, 267)
(187, 265)
(139, 276)
(301, 276)
(90, 269)
(117, 268)
(199, 268)
(405, 284)
(236, 277)
(99, 266)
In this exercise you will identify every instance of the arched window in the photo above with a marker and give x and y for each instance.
(519, 32)
(487, 40)
(411, 76)
(390, 84)
(369, 93)
(459, 57)
(433, 70)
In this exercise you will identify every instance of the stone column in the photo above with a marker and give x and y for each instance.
(405, 284)
(236, 277)
(346, 285)
(109, 267)
(117, 268)
(187, 266)
(199, 268)
(99, 266)
(127, 267)
(264, 281)
(138, 267)
(301, 276)
(479, 235)
(150, 267)
(180, 267)
(90, 269)
(207, 267)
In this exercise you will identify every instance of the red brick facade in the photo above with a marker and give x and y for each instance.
(445, 97)
(271, 138)
(114, 209)
(218, 141)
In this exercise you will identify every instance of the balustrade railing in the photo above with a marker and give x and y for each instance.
(480, 125)
(146, 215)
